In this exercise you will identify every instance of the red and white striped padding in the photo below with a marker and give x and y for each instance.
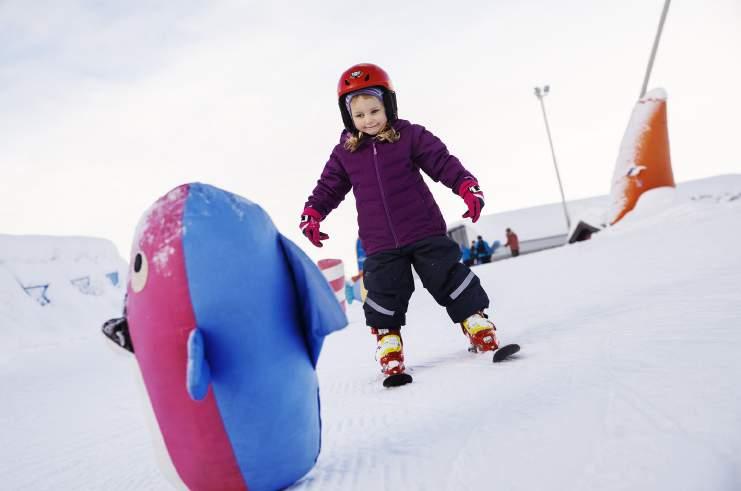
(334, 271)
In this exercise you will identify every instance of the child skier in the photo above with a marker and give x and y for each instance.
(400, 225)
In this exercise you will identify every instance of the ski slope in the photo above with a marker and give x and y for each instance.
(628, 379)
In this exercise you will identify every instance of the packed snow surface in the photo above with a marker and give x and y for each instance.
(627, 378)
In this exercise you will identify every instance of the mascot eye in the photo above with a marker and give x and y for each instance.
(139, 272)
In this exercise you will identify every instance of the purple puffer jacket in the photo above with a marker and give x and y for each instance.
(395, 206)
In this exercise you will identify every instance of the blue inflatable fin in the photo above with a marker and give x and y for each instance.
(320, 311)
(198, 375)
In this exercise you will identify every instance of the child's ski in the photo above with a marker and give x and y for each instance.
(505, 352)
(501, 354)
(397, 379)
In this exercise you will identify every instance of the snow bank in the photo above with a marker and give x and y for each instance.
(56, 288)
(667, 205)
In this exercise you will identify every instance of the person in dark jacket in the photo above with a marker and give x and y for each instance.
(400, 225)
(474, 253)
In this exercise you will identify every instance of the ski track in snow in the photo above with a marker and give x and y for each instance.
(76, 422)
(627, 380)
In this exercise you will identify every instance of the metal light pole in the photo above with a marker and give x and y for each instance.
(655, 47)
(540, 93)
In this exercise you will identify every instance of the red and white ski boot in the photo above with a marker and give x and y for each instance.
(390, 354)
(389, 350)
(481, 333)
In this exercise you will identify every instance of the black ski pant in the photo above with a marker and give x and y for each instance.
(387, 276)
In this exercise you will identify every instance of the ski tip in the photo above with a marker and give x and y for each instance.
(505, 352)
(397, 380)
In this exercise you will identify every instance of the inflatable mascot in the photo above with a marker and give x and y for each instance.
(226, 318)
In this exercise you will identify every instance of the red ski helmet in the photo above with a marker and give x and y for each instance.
(362, 76)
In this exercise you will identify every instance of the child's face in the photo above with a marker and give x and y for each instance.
(368, 114)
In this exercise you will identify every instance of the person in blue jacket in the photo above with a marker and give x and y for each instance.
(483, 251)
(466, 256)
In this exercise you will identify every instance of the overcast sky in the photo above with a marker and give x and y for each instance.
(105, 106)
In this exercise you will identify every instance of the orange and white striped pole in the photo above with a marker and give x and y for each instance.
(334, 271)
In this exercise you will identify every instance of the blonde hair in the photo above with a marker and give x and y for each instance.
(387, 134)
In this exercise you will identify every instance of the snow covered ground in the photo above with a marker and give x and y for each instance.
(628, 378)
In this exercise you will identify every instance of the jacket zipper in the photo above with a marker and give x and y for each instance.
(383, 195)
